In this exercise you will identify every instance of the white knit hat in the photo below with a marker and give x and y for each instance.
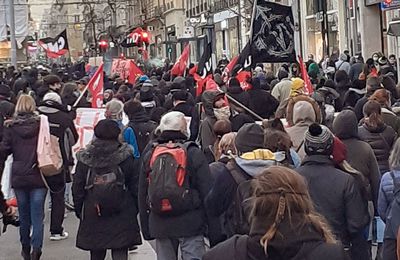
(53, 97)
(173, 121)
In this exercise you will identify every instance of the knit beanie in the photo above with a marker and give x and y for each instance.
(172, 121)
(133, 107)
(250, 137)
(107, 129)
(114, 109)
(318, 140)
(297, 86)
(147, 92)
(53, 97)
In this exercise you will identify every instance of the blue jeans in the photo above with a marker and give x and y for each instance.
(31, 214)
(192, 248)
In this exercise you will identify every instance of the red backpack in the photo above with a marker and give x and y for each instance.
(169, 191)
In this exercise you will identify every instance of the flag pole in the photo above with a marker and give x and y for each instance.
(244, 107)
(81, 96)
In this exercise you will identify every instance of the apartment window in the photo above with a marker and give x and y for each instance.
(168, 6)
(172, 4)
(77, 18)
(198, 9)
(187, 13)
(201, 8)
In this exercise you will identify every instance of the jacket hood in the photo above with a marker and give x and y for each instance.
(25, 125)
(253, 163)
(345, 125)
(373, 129)
(103, 153)
(208, 99)
(140, 117)
(303, 111)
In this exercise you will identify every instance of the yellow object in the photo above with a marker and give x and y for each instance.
(297, 86)
(259, 154)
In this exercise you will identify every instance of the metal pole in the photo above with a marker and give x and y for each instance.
(397, 58)
(12, 34)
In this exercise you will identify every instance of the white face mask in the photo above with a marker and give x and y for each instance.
(222, 113)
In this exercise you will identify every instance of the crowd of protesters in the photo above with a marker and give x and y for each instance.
(269, 171)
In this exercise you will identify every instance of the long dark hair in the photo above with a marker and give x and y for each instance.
(372, 114)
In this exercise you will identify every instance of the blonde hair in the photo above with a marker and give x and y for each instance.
(281, 193)
(226, 146)
(25, 104)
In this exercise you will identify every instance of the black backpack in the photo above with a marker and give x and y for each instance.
(107, 190)
(169, 191)
(143, 133)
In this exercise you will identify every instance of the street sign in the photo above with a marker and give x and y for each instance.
(395, 4)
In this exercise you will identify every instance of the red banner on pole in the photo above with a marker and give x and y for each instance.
(95, 86)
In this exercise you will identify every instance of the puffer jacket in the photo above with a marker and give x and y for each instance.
(20, 139)
(391, 119)
(335, 196)
(386, 193)
(381, 139)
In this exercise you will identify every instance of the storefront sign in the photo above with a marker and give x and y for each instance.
(372, 2)
(393, 5)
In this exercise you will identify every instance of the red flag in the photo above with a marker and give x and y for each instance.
(201, 83)
(95, 86)
(134, 72)
(228, 69)
(243, 77)
(308, 87)
(180, 65)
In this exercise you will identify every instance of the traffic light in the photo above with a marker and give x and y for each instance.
(388, 2)
(145, 37)
(103, 45)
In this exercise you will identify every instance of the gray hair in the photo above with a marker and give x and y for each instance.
(394, 159)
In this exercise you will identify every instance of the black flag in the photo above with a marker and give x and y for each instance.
(205, 64)
(245, 60)
(55, 47)
(272, 33)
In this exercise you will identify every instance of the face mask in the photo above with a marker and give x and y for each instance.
(222, 113)
(375, 58)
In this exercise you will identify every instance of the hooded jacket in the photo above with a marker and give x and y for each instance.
(61, 126)
(281, 92)
(20, 138)
(335, 196)
(189, 111)
(207, 136)
(262, 102)
(143, 128)
(391, 119)
(221, 198)
(190, 223)
(381, 139)
(359, 153)
(386, 193)
(118, 231)
(303, 117)
(290, 242)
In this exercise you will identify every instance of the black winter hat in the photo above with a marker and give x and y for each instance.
(5, 90)
(234, 82)
(107, 129)
(132, 107)
(147, 92)
(180, 95)
(318, 140)
(250, 137)
(51, 79)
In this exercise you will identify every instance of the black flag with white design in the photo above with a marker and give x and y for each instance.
(245, 60)
(205, 64)
(55, 47)
(273, 33)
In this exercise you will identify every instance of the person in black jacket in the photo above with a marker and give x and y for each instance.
(179, 100)
(279, 233)
(185, 229)
(61, 126)
(261, 101)
(334, 192)
(20, 139)
(140, 123)
(98, 232)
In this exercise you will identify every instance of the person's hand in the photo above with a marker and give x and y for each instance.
(11, 211)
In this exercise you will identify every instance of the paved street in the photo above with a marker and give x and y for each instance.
(61, 250)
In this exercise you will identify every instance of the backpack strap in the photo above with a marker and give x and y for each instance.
(396, 184)
(237, 174)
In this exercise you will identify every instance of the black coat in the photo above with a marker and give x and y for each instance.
(294, 243)
(335, 196)
(381, 140)
(20, 139)
(63, 127)
(118, 231)
(191, 223)
(262, 103)
(143, 127)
